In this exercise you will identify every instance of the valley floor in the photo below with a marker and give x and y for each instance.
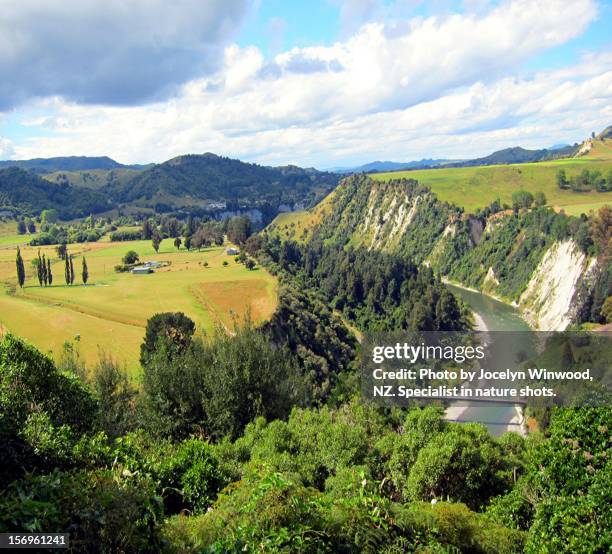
(110, 313)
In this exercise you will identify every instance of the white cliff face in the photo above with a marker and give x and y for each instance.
(550, 296)
(387, 218)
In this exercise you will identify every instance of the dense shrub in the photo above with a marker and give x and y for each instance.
(103, 511)
(216, 387)
(33, 393)
(120, 236)
(270, 512)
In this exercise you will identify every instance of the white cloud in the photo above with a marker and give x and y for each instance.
(109, 51)
(441, 86)
(6, 148)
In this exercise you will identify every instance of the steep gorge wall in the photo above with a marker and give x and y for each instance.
(551, 298)
(515, 258)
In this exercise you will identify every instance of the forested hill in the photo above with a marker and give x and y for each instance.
(213, 178)
(551, 265)
(65, 163)
(24, 192)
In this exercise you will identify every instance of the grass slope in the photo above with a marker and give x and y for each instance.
(110, 313)
(298, 225)
(476, 187)
(92, 178)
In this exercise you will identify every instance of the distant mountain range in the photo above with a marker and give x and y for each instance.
(389, 166)
(512, 155)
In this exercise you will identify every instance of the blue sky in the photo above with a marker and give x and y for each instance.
(323, 83)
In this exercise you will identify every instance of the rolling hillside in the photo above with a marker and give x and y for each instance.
(65, 163)
(208, 178)
(93, 178)
(28, 193)
(476, 187)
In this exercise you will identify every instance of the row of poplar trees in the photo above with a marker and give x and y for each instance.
(44, 273)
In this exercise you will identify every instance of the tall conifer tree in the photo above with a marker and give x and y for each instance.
(85, 274)
(49, 274)
(39, 272)
(45, 278)
(67, 269)
(20, 269)
(71, 270)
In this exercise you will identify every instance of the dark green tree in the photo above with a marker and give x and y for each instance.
(539, 199)
(238, 229)
(562, 181)
(20, 268)
(39, 272)
(190, 227)
(147, 230)
(219, 386)
(49, 273)
(250, 264)
(156, 240)
(71, 270)
(131, 257)
(116, 395)
(522, 199)
(177, 243)
(67, 269)
(174, 328)
(61, 250)
(21, 227)
(45, 277)
(85, 273)
(188, 242)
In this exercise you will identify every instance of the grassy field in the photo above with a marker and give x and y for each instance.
(297, 225)
(111, 311)
(477, 187)
(9, 236)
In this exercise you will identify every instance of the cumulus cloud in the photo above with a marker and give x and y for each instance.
(444, 86)
(110, 52)
(6, 148)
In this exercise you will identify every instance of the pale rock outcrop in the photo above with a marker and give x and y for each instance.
(549, 300)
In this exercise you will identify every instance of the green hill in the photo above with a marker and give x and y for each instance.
(64, 163)
(93, 178)
(30, 194)
(476, 187)
(202, 179)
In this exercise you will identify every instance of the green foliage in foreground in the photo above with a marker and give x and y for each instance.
(353, 478)
(270, 512)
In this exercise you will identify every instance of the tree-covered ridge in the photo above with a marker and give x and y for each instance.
(219, 179)
(192, 183)
(511, 248)
(396, 216)
(30, 194)
(64, 163)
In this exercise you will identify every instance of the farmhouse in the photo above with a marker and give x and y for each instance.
(152, 265)
(232, 251)
(142, 270)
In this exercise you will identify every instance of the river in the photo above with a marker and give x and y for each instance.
(496, 316)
